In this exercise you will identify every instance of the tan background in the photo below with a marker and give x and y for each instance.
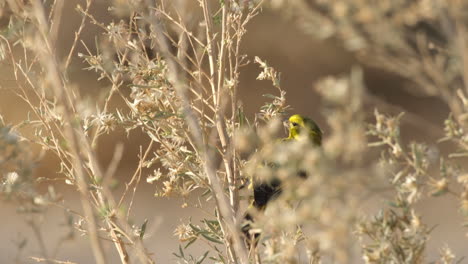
(300, 59)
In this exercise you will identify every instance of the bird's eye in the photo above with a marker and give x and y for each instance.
(295, 124)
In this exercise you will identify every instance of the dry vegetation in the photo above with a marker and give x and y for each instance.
(182, 61)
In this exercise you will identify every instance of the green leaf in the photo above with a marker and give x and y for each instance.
(222, 258)
(212, 226)
(202, 258)
(190, 242)
(212, 239)
(181, 251)
(241, 117)
(196, 229)
(143, 228)
(215, 222)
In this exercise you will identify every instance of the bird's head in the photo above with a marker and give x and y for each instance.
(301, 126)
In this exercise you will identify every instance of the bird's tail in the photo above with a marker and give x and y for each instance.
(251, 234)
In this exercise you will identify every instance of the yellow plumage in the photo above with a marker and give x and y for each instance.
(299, 128)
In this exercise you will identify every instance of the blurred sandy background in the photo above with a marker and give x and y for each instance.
(300, 59)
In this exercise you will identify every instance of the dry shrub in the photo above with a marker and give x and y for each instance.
(182, 63)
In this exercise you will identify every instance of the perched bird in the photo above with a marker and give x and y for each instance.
(304, 126)
(263, 192)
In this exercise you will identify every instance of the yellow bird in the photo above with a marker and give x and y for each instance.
(263, 192)
(304, 126)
